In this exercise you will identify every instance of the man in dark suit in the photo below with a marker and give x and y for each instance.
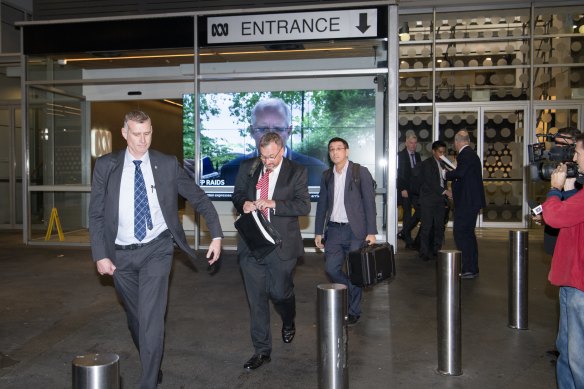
(273, 115)
(469, 198)
(408, 158)
(346, 206)
(278, 188)
(434, 196)
(133, 220)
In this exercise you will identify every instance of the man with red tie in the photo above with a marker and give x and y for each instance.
(278, 187)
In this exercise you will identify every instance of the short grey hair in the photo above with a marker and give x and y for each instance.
(272, 104)
(135, 116)
(462, 136)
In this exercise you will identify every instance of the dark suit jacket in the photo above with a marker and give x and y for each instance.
(404, 171)
(315, 167)
(359, 203)
(467, 181)
(170, 180)
(291, 197)
(431, 190)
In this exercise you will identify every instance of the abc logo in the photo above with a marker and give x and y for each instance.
(219, 29)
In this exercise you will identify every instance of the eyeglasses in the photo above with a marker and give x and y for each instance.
(265, 130)
(332, 150)
(271, 157)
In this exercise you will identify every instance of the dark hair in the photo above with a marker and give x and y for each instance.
(579, 138)
(336, 139)
(270, 137)
(439, 143)
(570, 131)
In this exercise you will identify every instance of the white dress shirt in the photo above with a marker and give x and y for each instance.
(339, 214)
(126, 212)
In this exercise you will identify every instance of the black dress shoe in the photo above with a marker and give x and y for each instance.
(159, 377)
(352, 320)
(256, 361)
(288, 333)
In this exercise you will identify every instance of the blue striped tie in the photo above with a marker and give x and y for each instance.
(142, 216)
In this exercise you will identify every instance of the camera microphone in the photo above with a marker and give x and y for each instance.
(536, 209)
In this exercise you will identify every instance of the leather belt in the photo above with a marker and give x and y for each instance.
(135, 246)
(337, 224)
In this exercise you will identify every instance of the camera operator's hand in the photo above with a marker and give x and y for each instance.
(570, 184)
(537, 219)
(558, 178)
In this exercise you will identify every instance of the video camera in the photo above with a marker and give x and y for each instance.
(542, 162)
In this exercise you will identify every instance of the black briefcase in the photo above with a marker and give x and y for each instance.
(371, 264)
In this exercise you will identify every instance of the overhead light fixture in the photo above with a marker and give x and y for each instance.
(473, 22)
(488, 21)
(227, 53)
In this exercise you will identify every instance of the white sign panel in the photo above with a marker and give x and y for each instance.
(357, 23)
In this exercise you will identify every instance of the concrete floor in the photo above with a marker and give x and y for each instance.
(55, 306)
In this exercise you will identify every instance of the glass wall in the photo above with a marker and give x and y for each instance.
(449, 60)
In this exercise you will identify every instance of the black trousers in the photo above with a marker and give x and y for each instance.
(432, 229)
(410, 221)
(465, 238)
(265, 279)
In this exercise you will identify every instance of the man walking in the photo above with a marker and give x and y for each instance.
(346, 206)
(277, 187)
(133, 220)
(408, 158)
(469, 198)
(434, 195)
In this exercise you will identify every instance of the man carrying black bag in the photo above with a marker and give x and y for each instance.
(346, 207)
(278, 187)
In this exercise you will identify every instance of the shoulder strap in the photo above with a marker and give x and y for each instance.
(254, 167)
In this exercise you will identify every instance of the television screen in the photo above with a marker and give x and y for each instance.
(231, 125)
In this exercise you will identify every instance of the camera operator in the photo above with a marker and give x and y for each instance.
(567, 271)
(565, 137)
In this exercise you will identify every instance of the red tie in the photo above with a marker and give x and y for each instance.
(264, 186)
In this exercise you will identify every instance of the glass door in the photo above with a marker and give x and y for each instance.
(497, 135)
(10, 167)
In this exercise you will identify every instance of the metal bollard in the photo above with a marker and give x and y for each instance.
(517, 281)
(96, 371)
(332, 337)
(448, 315)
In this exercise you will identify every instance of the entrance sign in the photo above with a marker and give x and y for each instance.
(299, 26)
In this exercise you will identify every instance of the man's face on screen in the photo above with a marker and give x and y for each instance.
(270, 121)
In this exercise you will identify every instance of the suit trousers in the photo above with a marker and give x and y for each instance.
(465, 238)
(410, 221)
(141, 281)
(339, 241)
(265, 279)
(432, 229)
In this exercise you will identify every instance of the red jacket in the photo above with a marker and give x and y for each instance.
(568, 259)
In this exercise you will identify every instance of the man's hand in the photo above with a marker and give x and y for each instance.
(448, 193)
(537, 219)
(559, 176)
(404, 194)
(264, 204)
(570, 184)
(214, 251)
(105, 266)
(371, 239)
(318, 241)
(248, 207)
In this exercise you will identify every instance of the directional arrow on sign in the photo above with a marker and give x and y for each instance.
(363, 26)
